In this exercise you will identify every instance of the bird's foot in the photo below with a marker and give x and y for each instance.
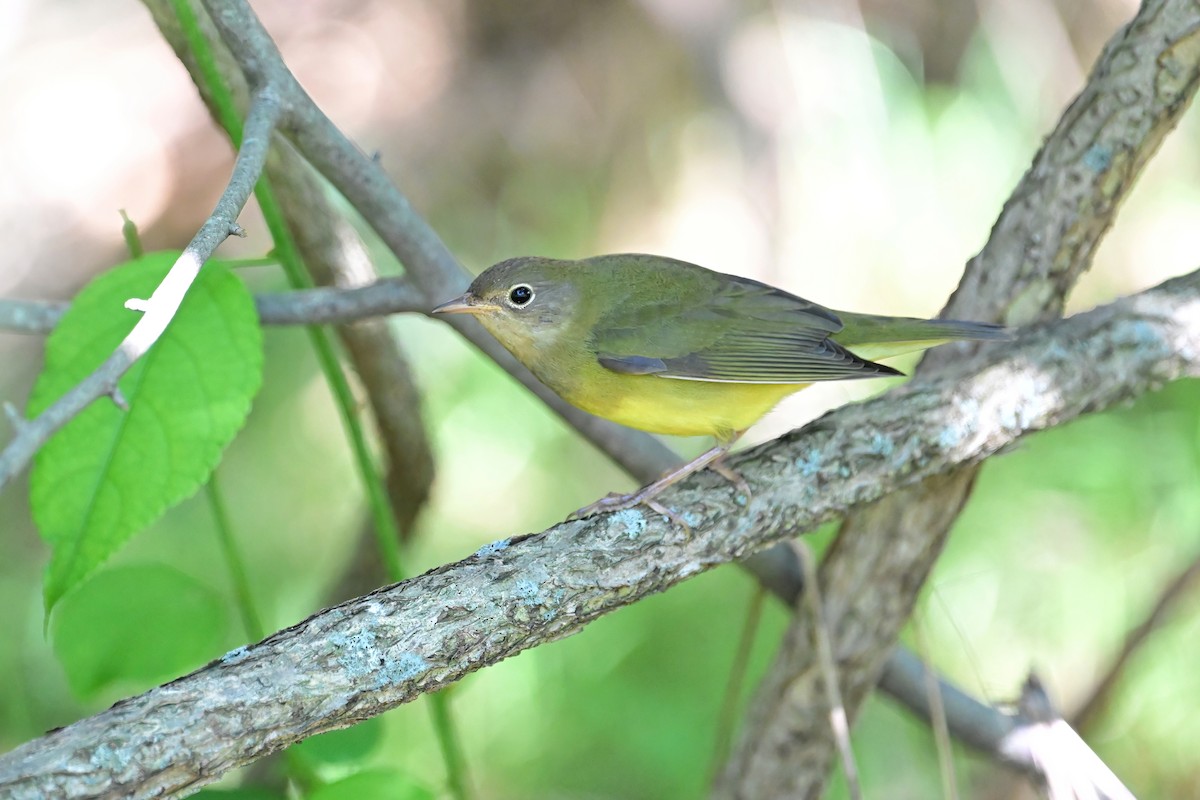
(733, 476)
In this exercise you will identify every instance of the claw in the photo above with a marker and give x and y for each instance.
(733, 476)
(647, 494)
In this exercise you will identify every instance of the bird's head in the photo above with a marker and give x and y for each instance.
(524, 302)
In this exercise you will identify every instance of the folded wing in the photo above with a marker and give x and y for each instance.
(734, 330)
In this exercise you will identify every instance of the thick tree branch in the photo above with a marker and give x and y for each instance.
(371, 654)
(160, 308)
(1041, 243)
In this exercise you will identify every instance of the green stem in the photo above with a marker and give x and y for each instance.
(251, 621)
(130, 233)
(728, 715)
(449, 743)
(386, 531)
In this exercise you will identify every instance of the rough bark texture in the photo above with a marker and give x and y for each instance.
(1043, 240)
(366, 656)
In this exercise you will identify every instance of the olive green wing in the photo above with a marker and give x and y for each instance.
(728, 330)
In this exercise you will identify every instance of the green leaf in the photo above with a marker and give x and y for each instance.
(339, 747)
(110, 473)
(103, 633)
(373, 784)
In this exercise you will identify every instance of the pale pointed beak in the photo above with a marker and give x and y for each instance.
(463, 304)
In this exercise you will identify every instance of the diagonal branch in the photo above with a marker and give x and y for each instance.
(159, 310)
(368, 655)
(1175, 591)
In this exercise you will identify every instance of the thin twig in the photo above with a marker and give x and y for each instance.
(234, 562)
(727, 716)
(937, 716)
(160, 308)
(839, 723)
(1099, 695)
(317, 306)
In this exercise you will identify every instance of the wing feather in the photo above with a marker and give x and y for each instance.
(728, 329)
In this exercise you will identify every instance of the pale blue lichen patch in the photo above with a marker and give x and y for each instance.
(493, 548)
(631, 520)
(1142, 334)
(1098, 157)
(809, 464)
(406, 667)
(950, 437)
(881, 445)
(363, 660)
(235, 655)
(529, 592)
(108, 759)
(692, 519)
(968, 407)
(356, 652)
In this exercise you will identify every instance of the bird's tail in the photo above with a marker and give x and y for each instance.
(873, 338)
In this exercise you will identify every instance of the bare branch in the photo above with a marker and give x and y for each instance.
(320, 306)
(839, 721)
(330, 305)
(160, 308)
(30, 316)
(1099, 695)
(371, 654)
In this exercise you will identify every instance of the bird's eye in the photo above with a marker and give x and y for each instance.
(520, 295)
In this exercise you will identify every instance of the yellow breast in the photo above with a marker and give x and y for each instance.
(647, 402)
(676, 407)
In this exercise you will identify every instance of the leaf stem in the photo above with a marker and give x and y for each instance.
(129, 231)
(251, 620)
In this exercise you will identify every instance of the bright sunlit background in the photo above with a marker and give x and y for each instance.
(856, 154)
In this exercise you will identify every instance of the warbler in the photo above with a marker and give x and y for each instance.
(671, 347)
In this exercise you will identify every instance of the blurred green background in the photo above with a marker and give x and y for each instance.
(857, 155)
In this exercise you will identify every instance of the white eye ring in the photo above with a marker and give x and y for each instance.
(520, 295)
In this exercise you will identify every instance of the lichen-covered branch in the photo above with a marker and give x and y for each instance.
(368, 655)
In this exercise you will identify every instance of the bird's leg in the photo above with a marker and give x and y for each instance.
(732, 475)
(647, 494)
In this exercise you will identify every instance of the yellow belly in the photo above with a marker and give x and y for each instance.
(678, 407)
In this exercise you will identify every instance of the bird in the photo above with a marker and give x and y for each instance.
(671, 347)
